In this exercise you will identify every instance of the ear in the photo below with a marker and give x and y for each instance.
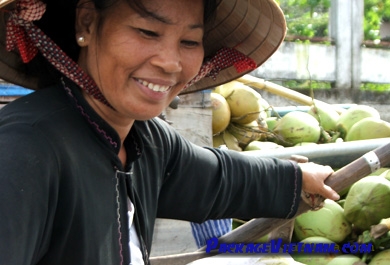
(86, 20)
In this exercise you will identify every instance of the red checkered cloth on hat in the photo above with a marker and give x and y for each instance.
(28, 39)
(224, 58)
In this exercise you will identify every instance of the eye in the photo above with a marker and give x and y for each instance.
(190, 43)
(148, 33)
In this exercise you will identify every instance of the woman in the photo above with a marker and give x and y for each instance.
(87, 167)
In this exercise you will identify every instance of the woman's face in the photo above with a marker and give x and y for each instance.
(139, 62)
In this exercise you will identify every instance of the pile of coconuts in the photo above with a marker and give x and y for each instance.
(239, 116)
(361, 216)
(353, 219)
(242, 121)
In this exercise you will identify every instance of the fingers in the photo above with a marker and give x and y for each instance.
(314, 176)
(326, 171)
(329, 193)
(299, 158)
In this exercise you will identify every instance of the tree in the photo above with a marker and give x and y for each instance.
(309, 18)
(375, 12)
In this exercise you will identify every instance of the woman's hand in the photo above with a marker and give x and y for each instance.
(313, 177)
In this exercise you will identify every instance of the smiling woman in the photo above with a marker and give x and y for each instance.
(90, 167)
(152, 56)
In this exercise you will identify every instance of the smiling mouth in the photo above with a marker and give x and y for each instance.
(154, 87)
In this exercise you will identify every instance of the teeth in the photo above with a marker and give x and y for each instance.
(154, 87)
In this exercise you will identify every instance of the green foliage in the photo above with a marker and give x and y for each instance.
(309, 27)
(310, 18)
(307, 18)
(307, 84)
(301, 7)
(375, 87)
(375, 11)
(314, 84)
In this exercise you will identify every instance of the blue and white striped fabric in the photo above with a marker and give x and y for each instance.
(209, 229)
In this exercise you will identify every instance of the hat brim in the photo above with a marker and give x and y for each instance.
(256, 28)
(5, 2)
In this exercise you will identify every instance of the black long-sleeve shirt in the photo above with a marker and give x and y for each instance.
(63, 190)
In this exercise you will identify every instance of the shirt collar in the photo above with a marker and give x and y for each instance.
(132, 143)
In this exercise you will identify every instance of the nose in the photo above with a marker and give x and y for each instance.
(168, 58)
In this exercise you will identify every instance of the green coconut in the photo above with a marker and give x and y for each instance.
(352, 116)
(226, 89)
(379, 171)
(328, 222)
(346, 259)
(327, 117)
(266, 109)
(220, 113)
(226, 138)
(382, 258)
(296, 127)
(367, 202)
(271, 122)
(368, 128)
(244, 103)
(386, 174)
(314, 259)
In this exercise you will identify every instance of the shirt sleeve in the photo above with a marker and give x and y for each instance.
(27, 195)
(204, 183)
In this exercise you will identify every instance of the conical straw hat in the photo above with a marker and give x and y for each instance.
(255, 28)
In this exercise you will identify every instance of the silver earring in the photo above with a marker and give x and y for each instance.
(80, 39)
